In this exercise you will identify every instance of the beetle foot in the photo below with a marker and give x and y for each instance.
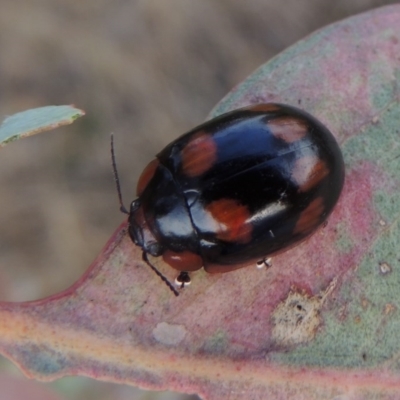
(183, 280)
(264, 263)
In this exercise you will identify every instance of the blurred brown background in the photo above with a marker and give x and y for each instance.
(147, 70)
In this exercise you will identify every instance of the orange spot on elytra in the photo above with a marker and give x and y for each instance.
(221, 268)
(183, 261)
(264, 107)
(311, 217)
(231, 217)
(308, 172)
(146, 176)
(199, 154)
(289, 129)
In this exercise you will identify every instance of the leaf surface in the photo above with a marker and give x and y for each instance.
(322, 323)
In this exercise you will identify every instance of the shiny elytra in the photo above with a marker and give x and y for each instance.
(237, 189)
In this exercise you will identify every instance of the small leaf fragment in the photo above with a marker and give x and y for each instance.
(36, 120)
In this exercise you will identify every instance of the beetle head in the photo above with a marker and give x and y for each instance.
(140, 232)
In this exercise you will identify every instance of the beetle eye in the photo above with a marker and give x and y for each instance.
(154, 248)
(135, 205)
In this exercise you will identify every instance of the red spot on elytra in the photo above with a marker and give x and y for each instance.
(146, 176)
(310, 218)
(308, 172)
(288, 129)
(199, 154)
(264, 107)
(232, 219)
(183, 261)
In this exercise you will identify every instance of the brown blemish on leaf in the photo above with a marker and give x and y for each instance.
(364, 303)
(384, 268)
(297, 318)
(389, 308)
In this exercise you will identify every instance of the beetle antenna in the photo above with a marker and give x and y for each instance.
(163, 278)
(122, 208)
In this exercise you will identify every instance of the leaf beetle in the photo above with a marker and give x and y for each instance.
(235, 190)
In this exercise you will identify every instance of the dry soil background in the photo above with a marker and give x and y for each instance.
(148, 70)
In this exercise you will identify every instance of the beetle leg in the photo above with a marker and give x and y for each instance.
(183, 279)
(264, 263)
(163, 278)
